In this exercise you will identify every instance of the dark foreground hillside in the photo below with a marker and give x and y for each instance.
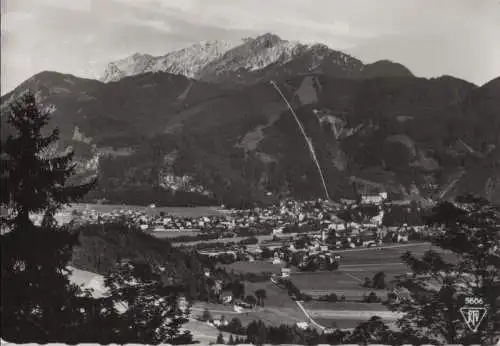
(102, 246)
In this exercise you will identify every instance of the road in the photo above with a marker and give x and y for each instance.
(311, 320)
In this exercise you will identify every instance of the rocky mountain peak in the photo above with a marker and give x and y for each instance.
(217, 60)
(268, 39)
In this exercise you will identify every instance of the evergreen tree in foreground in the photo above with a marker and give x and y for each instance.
(33, 178)
(150, 310)
(39, 304)
(37, 299)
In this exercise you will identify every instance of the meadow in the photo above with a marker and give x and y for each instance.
(381, 255)
(343, 306)
(355, 265)
(253, 267)
(167, 234)
(339, 323)
(317, 284)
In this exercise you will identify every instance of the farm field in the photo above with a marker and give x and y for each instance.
(386, 254)
(276, 296)
(353, 306)
(216, 309)
(253, 267)
(347, 315)
(173, 234)
(321, 283)
(361, 264)
(272, 316)
(349, 324)
(355, 265)
(339, 323)
(218, 240)
(361, 271)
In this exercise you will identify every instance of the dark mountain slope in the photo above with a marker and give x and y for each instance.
(411, 136)
(385, 68)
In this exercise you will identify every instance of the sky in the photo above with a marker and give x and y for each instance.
(430, 37)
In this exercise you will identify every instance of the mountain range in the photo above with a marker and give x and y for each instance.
(248, 61)
(204, 125)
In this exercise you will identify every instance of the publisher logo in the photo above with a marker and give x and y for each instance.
(473, 312)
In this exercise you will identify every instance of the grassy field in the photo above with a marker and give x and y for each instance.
(354, 267)
(362, 271)
(346, 315)
(375, 255)
(276, 296)
(253, 267)
(339, 323)
(361, 264)
(321, 283)
(172, 234)
(348, 323)
(354, 306)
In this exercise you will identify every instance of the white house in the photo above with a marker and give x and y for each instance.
(278, 230)
(183, 304)
(402, 238)
(302, 325)
(374, 199)
(337, 226)
(221, 323)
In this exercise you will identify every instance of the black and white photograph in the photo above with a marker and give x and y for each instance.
(258, 172)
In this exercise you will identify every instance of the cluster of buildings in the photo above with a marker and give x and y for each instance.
(148, 221)
(274, 217)
(289, 216)
(318, 219)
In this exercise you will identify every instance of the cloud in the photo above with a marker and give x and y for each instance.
(16, 21)
(74, 5)
(152, 24)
